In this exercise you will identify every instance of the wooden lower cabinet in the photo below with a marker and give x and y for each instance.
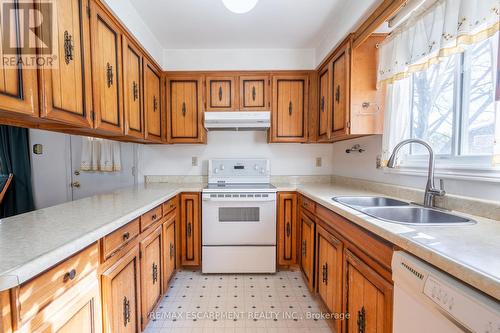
(369, 297)
(151, 273)
(307, 248)
(190, 229)
(121, 294)
(169, 230)
(287, 228)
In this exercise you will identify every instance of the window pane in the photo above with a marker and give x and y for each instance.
(433, 106)
(478, 122)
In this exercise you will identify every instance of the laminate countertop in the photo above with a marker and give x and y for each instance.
(31, 243)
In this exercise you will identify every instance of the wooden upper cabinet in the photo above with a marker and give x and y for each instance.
(65, 89)
(153, 105)
(18, 86)
(151, 273)
(290, 103)
(184, 110)
(133, 90)
(307, 230)
(325, 108)
(106, 70)
(221, 93)
(254, 93)
(190, 229)
(287, 228)
(340, 91)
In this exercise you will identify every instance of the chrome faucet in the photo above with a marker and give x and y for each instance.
(430, 189)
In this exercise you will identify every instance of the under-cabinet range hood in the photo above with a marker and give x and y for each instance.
(238, 120)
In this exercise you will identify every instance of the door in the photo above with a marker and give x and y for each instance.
(254, 93)
(287, 228)
(185, 110)
(121, 295)
(329, 271)
(152, 103)
(290, 97)
(169, 248)
(106, 69)
(18, 86)
(65, 90)
(221, 93)
(190, 229)
(369, 298)
(325, 109)
(307, 248)
(133, 90)
(151, 273)
(340, 95)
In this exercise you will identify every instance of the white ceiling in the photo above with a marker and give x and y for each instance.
(207, 24)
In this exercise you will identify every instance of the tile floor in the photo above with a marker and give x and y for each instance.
(237, 303)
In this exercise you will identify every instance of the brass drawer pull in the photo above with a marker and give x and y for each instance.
(325, 273)
(361, 320)
(220, 93)
(135, 90)
(126, 311)
(171, 250)
(69, 275)
(109, 74)
(288, 229)
(189, 229)
(290, 108)
(183, 109)
(155, 273)
(254, 93)
(126, 236)
(322, 103)
(68, 47)
(155, 103)
(153, 217)
(337, 94)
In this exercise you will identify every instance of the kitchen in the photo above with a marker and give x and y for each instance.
(250, 166)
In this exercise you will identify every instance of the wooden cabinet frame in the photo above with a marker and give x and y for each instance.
(154, 105)
(190, 229)
(287, 228)
(324, 112)
(231, 103)
(266, 83)
(134, 92)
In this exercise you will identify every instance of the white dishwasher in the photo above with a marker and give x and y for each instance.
(427, 300)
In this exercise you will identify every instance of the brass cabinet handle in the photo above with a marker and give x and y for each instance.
(322, 105)
(337, 94)
(188, 229)
(361, 320)
(109, 74)
(183, 109)
(325, 273)
(220, 93)
(126, 311)
(155, 273)
(254, 93)
(68, 47)
(126, 236)
(290, 108)
(304, 248)
(135, 90)
(69, 275)
(171, 250)
(288, 229)
(155, 103)
(153, 217)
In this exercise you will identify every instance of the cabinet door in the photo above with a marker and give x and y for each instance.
(307, 248)
(133, 90)
(121, 294)
(340, 91)
(329, 270)
(221, 93)
(106, 70)
(289, 121)
(190, 229)
(185, 110)
(152, 103)
(18, 86)
(254, 93)
(65, 90)
(169, 249)
(325, 109)
(150, 273)
(287, 228)
(369, 298)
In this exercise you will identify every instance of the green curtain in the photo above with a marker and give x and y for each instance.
(15, 159)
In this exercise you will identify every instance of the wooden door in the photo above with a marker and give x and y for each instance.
(185, 110)
(369, 298)
(329, 271)
(254, 93)
(290, 96)
(169, 248)
(121, 294)
(287, 228)
(133, 90)
(151, 273)
(221, 93)
(307, 248)
(190, 229)
(152, 103)
(65, 89)
(340, 94)
(18, 85)
(325, 108)
(106, 70)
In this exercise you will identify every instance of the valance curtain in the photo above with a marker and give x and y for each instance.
(100, 155)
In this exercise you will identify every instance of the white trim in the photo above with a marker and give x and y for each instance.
(491, 175)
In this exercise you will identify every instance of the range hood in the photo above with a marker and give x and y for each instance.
(238, 120)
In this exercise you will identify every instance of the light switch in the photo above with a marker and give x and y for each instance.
(319, 161)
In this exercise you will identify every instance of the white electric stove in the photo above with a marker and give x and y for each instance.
(239, 217)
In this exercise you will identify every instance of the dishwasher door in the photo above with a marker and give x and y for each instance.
(428, 300)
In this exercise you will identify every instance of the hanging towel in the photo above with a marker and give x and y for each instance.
(100, 155)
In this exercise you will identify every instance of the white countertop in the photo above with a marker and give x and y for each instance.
(32, 242)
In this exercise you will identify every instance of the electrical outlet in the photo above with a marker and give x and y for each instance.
(319, 161)
(378, 162)
(194, 161)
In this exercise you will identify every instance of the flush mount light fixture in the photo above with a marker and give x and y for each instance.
(240, 6)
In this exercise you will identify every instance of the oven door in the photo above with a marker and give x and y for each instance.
(239, 219)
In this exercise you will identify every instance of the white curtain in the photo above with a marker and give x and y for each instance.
(100, 155)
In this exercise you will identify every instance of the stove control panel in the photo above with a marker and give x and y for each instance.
(239, 170)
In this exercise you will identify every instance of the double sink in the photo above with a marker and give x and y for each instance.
(396, 211)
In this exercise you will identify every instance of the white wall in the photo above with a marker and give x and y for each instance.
(286, 159)
(364, 166)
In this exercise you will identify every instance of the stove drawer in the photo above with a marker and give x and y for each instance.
(238, 259)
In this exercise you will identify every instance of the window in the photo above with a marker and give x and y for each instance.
(453, 107)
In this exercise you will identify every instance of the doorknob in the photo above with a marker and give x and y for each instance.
(75, 184)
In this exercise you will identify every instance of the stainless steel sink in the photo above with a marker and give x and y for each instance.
(415, 215)
(358, 202)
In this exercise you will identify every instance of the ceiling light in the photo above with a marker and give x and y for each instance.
(240, 6)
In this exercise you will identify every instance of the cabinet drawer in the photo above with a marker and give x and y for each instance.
(114, 241)
(37, 293)
(170, 205)
(307, 204)
(150, 217)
